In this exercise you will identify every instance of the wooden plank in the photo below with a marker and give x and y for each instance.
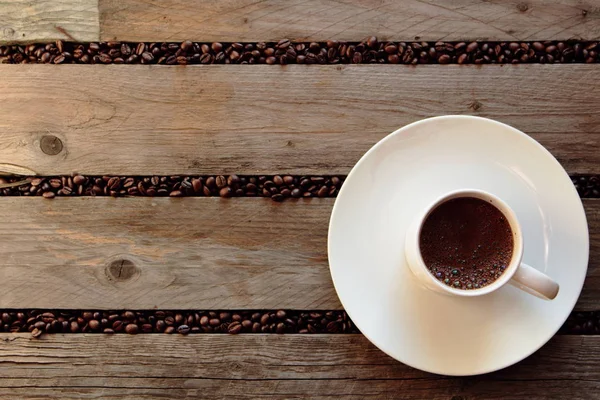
(26, 21)
(300, 119)
(190, 253)
(316, 20)
(590, 294)
(277, 366)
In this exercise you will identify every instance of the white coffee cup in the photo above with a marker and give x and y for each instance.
(516, 273)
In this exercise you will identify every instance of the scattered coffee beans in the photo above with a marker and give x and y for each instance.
(368, 51)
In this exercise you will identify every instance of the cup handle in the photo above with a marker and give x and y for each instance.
(534, 282)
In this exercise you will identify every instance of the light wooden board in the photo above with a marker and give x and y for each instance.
(190, 253)
(255, 20)
(25, 21)
(146, 120)
(273, 366)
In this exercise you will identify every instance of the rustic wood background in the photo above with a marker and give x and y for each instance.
(207, 253)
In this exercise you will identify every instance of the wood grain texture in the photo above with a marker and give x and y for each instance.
(193, 252)
(145, 120)
(25, 21)
(273, 366)
(271, 20)
(190, 253)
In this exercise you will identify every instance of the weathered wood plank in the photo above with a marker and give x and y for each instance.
(286, 366)
(190, 253)
(300, 119)
(271, 20)
(25, 21)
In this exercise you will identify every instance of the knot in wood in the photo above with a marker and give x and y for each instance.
(122, 270)
(51, 145)
(8, 32)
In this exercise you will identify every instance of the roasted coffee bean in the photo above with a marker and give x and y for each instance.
(79, 180)
(226, 192)
(170, 329)
(264, 320)
(183, 329)
(147, 58)
(186, 45)
(179, 318)
(118, 326)
(538, 46)
(40, 325)
(247, 324)
(224, 316)
(283, 44)
(234, 328)
(444, 59)
(471, 47)
(131, 329)
(130, 315)
(94, 325)
(280, 328)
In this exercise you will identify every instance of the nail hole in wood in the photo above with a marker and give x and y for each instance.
(51, 145)
(475, 105)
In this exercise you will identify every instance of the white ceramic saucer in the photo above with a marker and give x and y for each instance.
(402, 174)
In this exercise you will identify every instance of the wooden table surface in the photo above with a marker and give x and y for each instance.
(208, 253)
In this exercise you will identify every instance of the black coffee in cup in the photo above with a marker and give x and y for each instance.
(466, 243)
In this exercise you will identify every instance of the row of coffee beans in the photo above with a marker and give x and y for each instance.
(277, 187)
(587, 186)
(582, 323)
(184, 322)
(371, 50)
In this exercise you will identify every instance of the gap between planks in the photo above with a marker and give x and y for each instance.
(278, 366)
(298, 119)
(189, 253)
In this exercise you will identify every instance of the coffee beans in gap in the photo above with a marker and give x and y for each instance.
(466, 243)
